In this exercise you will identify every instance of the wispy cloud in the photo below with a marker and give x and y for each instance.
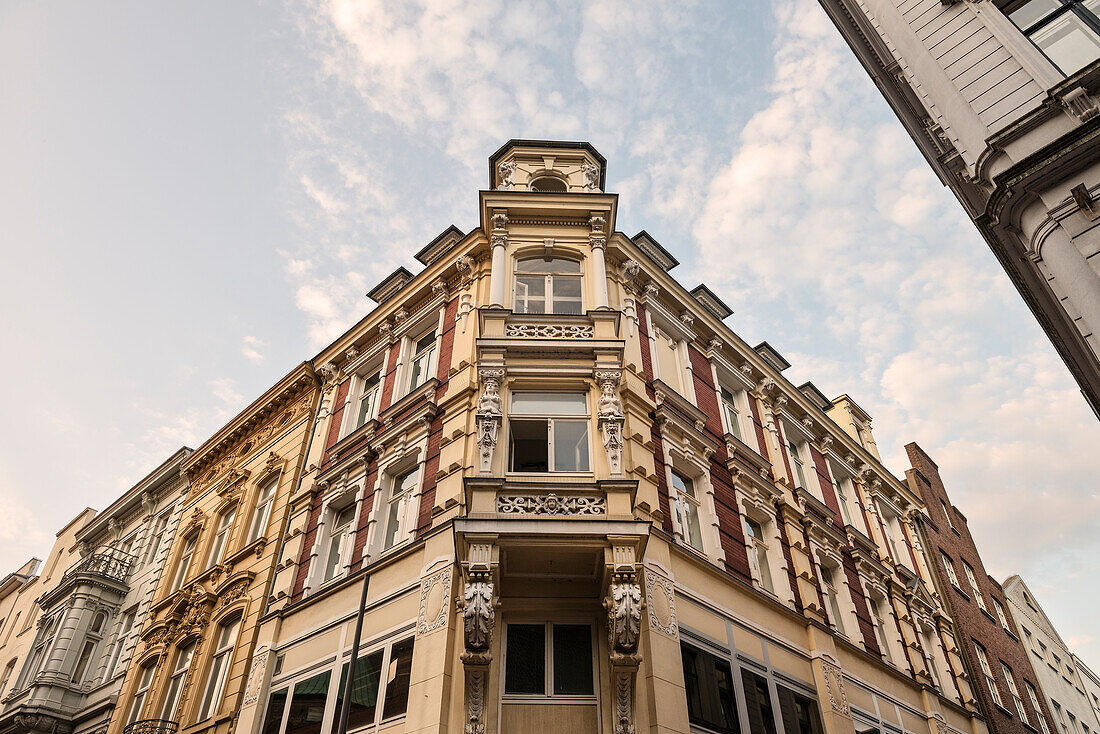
(251, 347)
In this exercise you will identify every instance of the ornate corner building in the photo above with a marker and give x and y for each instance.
(568, 497)
(1002, 97)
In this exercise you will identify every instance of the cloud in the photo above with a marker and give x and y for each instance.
(250, 348)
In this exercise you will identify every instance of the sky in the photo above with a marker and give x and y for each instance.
(195, 197)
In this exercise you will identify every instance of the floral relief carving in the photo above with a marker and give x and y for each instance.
(661, 604)
(549, 331)
(478, 615)
(834, 687)
(624, 613)
(551, 504)
(256, 678)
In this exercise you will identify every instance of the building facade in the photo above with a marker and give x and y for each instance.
(569, 497)
(1062, 678)
(1004, 680)
(196, 642)
(1002, 97)
(23, 646)
(89, 619)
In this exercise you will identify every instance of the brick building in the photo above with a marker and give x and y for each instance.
(997, 660)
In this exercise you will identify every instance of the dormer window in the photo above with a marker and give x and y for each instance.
(548, 285)
(548, 184)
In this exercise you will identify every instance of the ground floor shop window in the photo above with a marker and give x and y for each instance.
(379, 695)
(708, 681)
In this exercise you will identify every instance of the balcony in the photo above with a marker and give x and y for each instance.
(152, 726)
(105, 563)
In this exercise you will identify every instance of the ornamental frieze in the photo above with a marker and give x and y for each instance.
(549, 331)
(551, 504)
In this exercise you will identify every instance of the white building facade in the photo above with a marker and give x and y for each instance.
(1057, 668)
(1001, 97)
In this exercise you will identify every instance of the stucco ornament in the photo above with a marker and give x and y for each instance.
(624, 615)
(591, 174)
(478, 615)
(328, 372)
(506, 172)
(630, 270)
(478, 618)
(489, 413)
(610, 418)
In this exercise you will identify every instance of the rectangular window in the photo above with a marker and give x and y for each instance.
(370, 389)
(364, 691)
(687, 509)
(949, 566)
(548, 660)
(175, 684)
(219, 668)
(708, 682)
(973, 581)
(307, 705)
(542, 437)
(397, 680)
(184, 564)
(398, 506)
(839, 486)
(796, 464)
(276, 705)
(1067, 31)
(422, 363)
(1002, 616)
(987, 674)
(263, 511)
(158, 534)
(548, 285)
(730, 415)
(1019, 702)
(758, 553)
(947, 514)
(880, 615)
(758, 701)
(221, 539)
(337, 540)
(84, 660)
(1034, 698)
(800, 713)
(141, 692)
(832, 597)
(8, 670)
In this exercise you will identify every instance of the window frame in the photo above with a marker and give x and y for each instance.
(1034, 697)
(125, 624)
(549, 276)
(183, 562)
(177, 674)
(221, 660)
(831, 591)
(258, 526)
(548, 696)
(406, 498)
(219, 545)
(685, 503)
(949, 565)
(1085, 16)
(141, 690)
(1015, 693)
(356, 418)
(798, 468)
(973, 581)
(551, 419)
(430, 353)
(732, 425)
(987, 673)
(338, 544)
(759, 558)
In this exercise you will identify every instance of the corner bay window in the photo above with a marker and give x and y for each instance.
(548, 432)
(548, 660)
(687, 509)
(547, 285)
(381, 675)
(1066, 31)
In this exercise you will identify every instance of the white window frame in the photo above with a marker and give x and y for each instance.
(551, 419)
(183, 563)
(342, 545)
(831, 587)
(970, 578)
(987, 673)
(261, 516)
(125, 624)
(548, 695)
(176, 680)
(220, 544)
(798, 467)
(141, 692)
(1001, 616)
(430, 353)
(685, 503)
(949, 565)
(732, 424)
(160, 525)
(549, 283)
(355, 405)
(1035, 705)
(841, 486)
(406, 513)
(760, 560)
(1015, 693)
(220, 663)
(885, 642)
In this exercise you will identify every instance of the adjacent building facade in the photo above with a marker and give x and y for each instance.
(23, 647)
(90, 619)
(189, 666)
(1063, 678)
(570, 498)
(1004, 681)
(1002, 97)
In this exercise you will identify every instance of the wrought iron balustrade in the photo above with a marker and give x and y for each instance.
(108, 563)
(152, 726)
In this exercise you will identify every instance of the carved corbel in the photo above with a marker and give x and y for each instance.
(489, 414)
(478, 608)
(624, 618)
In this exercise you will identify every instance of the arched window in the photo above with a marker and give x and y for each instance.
(142, 690)
(175, 683)
(550, 184)
(548, 285)
(219, 667)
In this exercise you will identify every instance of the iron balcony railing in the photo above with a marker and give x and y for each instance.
(152, 726)
(105, 562)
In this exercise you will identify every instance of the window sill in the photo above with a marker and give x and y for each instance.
(1004, 711)
(547, 475)
(961, 593)
(989, 616)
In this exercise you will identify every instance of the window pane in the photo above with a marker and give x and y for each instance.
(549, 403)
(570, 445)
(1068, 42)
(307, 707)
(426, 341)
(727, 708)
(526, 654)
(393, 521)
(567, 294)
(530, 294)
(759, 703)
(364, 692)
(273, 719)
(708, 681)
(573, 659)
(689, 522)
(551, 265)
(397, 681)
(529, 446)
(800, 715)
(682, 484)
(1030, 13)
